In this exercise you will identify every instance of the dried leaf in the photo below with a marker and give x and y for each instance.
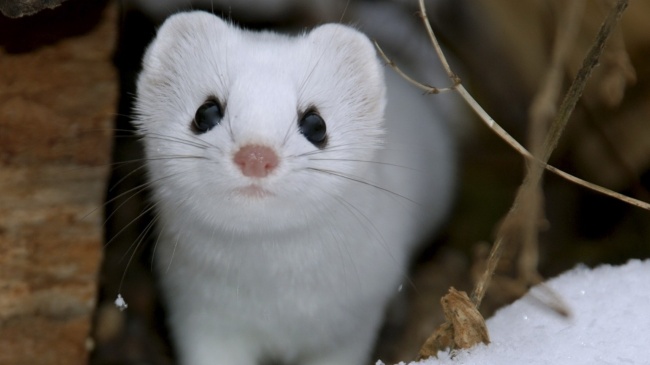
(465, 327)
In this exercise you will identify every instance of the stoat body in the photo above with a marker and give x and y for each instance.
(289, 193)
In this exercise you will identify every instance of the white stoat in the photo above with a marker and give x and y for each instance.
(287, 208)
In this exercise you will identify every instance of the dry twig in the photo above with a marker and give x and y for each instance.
(542, 111)
(496, 128)
(537, 161)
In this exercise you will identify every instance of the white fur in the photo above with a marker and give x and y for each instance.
(301, 276)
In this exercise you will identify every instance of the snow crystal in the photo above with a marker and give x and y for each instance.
(609, 323)
(120, 303)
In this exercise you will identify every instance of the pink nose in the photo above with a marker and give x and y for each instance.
(256, 160)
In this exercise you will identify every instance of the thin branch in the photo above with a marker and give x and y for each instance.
(434, 41)
(535, 173)
(536, 165)
(543, 107)
(541, 113)
(565, 110)
(496, 128)
(428, 89)
(578, 85)
(492, 124)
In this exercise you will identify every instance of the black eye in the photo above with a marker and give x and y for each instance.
(207, 116)
(313, 127)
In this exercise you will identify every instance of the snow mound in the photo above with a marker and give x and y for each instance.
(609, 323)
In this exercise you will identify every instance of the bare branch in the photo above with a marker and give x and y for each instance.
(428, 89)
(496, 128)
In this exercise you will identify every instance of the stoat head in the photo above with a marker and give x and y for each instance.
(255, 128)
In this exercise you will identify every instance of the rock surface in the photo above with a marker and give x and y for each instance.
(58, 92)
(19, 8)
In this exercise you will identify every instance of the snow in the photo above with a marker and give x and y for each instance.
(120, 303)
(609, 323)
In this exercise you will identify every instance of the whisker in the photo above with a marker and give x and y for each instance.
(132, 132)
(165, 157)
(118, 182)
(367, 161)
(142, 214)
(358, 214)
(157, 158)
(191, 140)
(359, 180)
(178, 237)
(287, 135)
(353, 146)
(195, 142)
(155, 245)
(139, 240)
(137, 189)
(231, 134)
(171, 258)
(119, 164)
(337, 235)
(337, 148)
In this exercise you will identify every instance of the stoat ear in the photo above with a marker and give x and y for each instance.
(350, 55)
(179, 31)
(342, 36)
(347, 43)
